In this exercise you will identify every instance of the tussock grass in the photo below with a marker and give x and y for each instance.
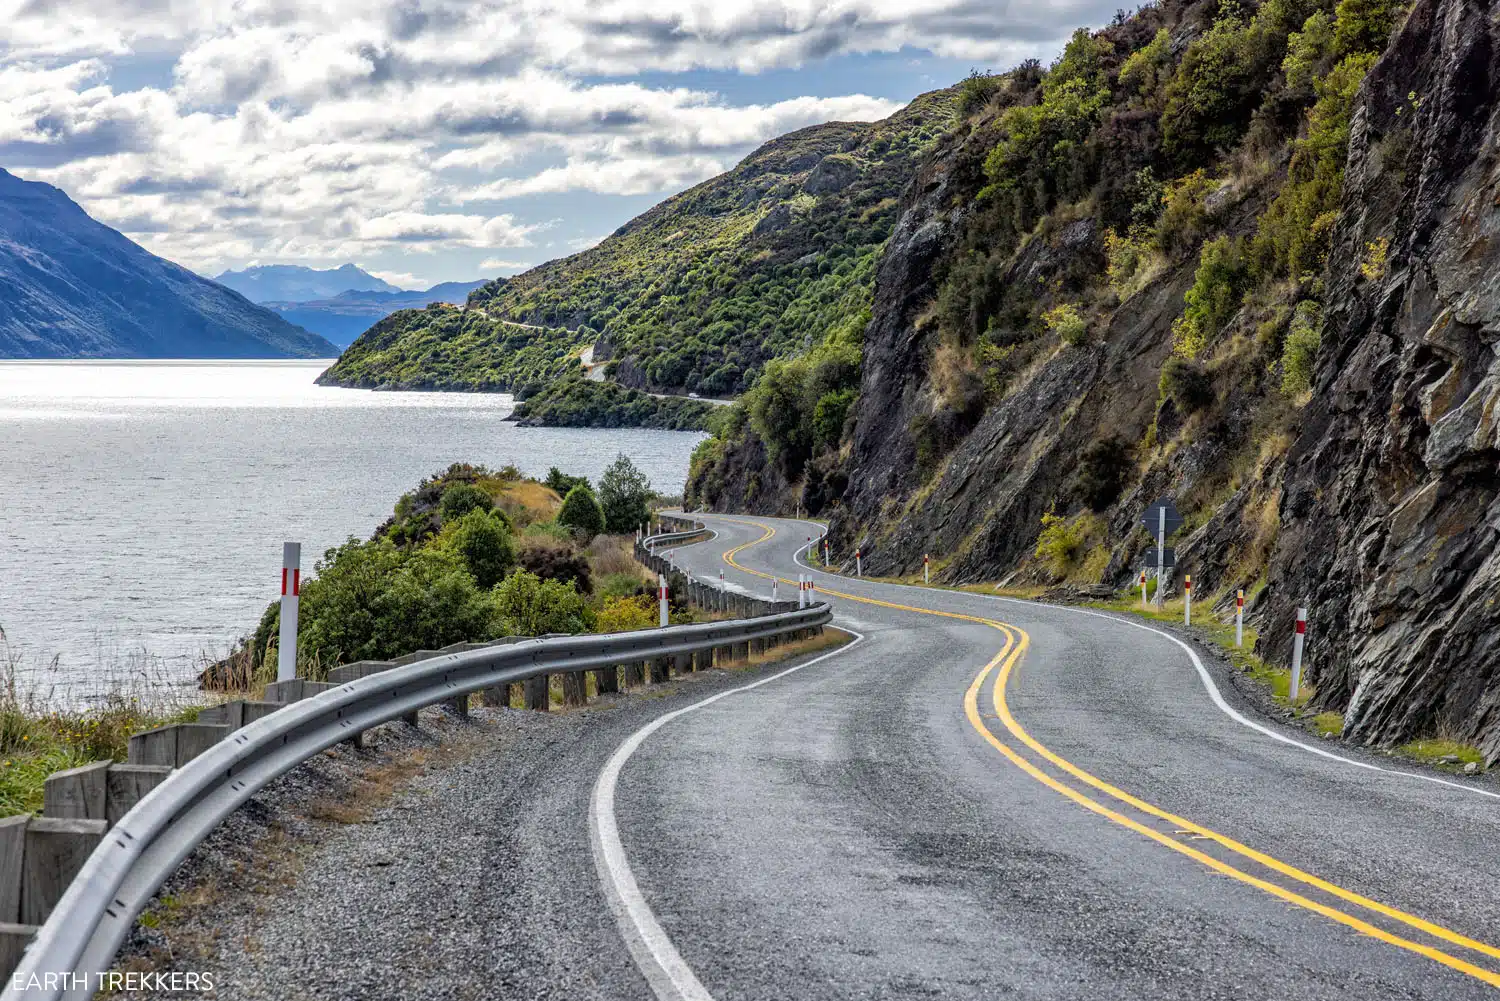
(1433, 750)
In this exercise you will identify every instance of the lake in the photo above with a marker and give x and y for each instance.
(143, 504)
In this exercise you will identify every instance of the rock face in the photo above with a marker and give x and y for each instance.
(71, 287)
(1390, 520)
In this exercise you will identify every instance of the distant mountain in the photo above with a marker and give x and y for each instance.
(71, 287)
(294, 283)
(344, 317)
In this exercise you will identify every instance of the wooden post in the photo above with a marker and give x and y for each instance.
(78, 793)
(12, 852)
(497, 696)
(55, 851)
(575, 691)
(635, 674)
(460, 705)
(661, 670)
(607, 679)
(536, 692)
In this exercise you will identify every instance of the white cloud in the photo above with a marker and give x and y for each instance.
(495, 264)
(314, 133)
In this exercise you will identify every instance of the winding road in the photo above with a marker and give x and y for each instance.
(988, 798)
(979, 798)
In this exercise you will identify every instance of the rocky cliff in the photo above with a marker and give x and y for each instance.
(1390, 521)
(1261, 280)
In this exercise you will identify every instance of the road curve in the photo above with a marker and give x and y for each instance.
(991, 799)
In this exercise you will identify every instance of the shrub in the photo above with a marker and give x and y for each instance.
(1215, 296)
(374, 601)
(555, 559)
(1182, 219)
(1309, 52)
(1149, 66)
(1066, 322)
(977, 90)
(1372, 266)
(626, 612)
(625, 495)
(1059, 545)
(562, 484)
(1186, 384)
(1300, 351)
(529, 605)
(1363, 25)
(581, 513)
(1102, 473)
(461, 498)
(482, 540)
(829, 416)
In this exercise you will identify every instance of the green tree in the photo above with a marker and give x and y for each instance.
(581, 513)
(625, 494)
(1363, 25)
(461, 498)
(528, 605)
(562, 483)
(482, 540)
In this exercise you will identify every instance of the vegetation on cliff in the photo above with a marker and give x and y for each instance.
(695, 295)
(576, 402)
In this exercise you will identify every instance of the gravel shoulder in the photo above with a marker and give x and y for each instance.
(451, 861)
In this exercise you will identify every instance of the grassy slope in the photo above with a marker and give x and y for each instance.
(688, 296)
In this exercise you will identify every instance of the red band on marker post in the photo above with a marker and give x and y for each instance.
(283, 580)
(1301, 626)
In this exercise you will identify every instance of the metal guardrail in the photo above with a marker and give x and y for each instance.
(85, 930)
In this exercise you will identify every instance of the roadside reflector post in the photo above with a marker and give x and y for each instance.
(1143, 589)
(825, 554)
(291, 590)
(925, 578)
(1161, 563)
(1187, 599)
(859, 567)
(1296, 686)
(773, 588)
(661, 583)
(1239, 618)
(721, 580)
(801, 592)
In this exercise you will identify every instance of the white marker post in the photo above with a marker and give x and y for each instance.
(859, 566)
(801, 591)
(1143, 590)
(773, 588)
(1187, 599)
(291, 589)
(825, 554)
(1161, 555)
(661, 582)
(925, 578)
(1296, 686)
(721, 580)
(1239, 618)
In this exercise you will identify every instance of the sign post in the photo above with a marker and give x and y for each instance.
(291, 590)
(1161, 520)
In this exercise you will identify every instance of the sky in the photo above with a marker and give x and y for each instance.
(446, 140)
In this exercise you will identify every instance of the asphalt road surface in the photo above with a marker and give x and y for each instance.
(989, 799)
(978, 799)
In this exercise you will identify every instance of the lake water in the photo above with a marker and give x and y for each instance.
(143, 505)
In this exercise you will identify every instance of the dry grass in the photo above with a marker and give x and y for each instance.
(828, 639)
(613, 554)
(525, 502)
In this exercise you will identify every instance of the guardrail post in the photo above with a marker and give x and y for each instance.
(574, 689)
(12, 860)
(128, 785)
(537, 693)
(78, 793)
(661, 670)
(635, 674)
(55, 851)
(291, 588)
(459, 704)
(607, 679)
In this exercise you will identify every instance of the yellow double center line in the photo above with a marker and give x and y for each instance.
(1003, 666)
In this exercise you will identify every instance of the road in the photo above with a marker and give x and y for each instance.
(978, 799)
(988, 798)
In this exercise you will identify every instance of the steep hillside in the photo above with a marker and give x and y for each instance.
(1240, 256)
(295, 283)
(694, 295)
(71, 287)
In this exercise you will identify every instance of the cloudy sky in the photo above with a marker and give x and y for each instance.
(433, 140)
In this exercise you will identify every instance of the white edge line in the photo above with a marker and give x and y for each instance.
(1203, 675)
(657, 958)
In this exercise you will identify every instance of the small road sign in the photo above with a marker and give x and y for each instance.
(1152, 519)
(1169, 557)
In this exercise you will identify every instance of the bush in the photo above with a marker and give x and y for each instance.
(481, 539)
(1186, 384)
(626, 612)
(1066, 322)
(625, 495)
(1149, 66)
(581, 513)
(977, 90)
(1059, 545)
(529, 605)
(1103, 472)
(461, 498)
(553, 559)
(562, 484)
(1363, 25)
(1218, 288)
(374, 601)
(1300, 352)
(829, 416)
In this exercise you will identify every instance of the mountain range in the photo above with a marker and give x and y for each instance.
(294, 283)
(343, 317)
(71, 287)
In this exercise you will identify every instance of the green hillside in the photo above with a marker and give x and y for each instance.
(695, 294)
